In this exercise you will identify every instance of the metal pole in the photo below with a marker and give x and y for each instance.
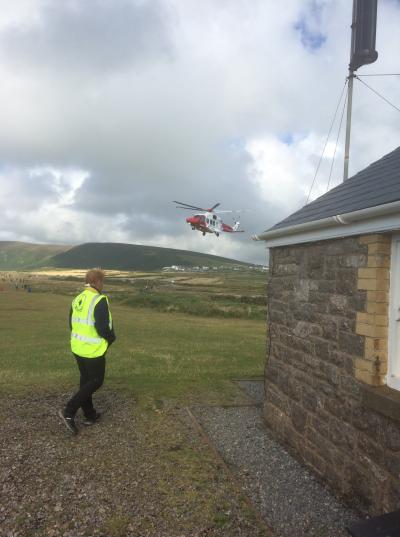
(348, 125)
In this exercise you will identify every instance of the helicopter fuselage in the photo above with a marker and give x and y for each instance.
(208, 223)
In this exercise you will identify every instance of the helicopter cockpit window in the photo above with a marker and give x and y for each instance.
(214, 216)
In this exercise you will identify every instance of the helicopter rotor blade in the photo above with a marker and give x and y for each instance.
(230, 211)
(186, 205)
(213, 207)
(190, 208)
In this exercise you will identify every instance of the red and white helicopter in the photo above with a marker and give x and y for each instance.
(208, 220)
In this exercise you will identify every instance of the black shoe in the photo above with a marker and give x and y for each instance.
(68, 422)
(92, 420)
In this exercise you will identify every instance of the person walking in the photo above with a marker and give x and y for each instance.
(92, 333)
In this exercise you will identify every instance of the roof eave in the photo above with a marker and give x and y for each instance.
(370, 220)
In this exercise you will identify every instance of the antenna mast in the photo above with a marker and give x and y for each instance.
(362, 52)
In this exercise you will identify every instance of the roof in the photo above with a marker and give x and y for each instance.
(376, 185)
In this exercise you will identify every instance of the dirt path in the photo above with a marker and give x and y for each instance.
(140, 472)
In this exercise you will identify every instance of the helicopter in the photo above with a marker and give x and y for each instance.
(208, 220)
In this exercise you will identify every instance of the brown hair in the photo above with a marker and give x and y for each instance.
(94, 276)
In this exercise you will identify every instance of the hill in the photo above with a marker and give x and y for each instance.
(20, 256)
(133, 257)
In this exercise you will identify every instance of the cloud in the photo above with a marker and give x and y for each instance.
(89, 38)
(112, 109)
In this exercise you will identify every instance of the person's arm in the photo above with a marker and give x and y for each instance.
(101, 321)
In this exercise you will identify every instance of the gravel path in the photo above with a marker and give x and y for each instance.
(139, 472)
(287, 495)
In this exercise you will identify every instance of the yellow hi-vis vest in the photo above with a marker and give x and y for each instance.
(85, 341)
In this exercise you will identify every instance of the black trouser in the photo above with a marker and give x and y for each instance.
(92, 376)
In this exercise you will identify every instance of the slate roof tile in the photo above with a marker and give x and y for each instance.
(377, 184)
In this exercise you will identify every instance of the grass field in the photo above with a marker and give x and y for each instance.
(157, 354)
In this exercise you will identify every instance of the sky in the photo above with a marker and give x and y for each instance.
(112, 109)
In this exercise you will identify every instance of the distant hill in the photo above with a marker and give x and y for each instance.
(19, 256)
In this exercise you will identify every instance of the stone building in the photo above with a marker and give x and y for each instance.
(333, 351)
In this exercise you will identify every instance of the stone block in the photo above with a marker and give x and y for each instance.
(365, 318)
(306, 312)
(369, 422)
(323, 387)
(301, 344)
(285, 269)
(378, 308)
(337, 358)
(304, 329)
(310, 399)
(335, 478)
(342, 434)
(277, 317)
(370, 239)
(303, 287)
(392, 497)
(361, 364)
(363, 489)
(293, 389)
(378, 261)
(379, 358)
(346, 325)
(339, 407)
(371, 330)
(391, 434)
(351, 343)
(377, 296)
(372, 379)
(327, 286)
(303, 377)
(358, 300)
(329, 328)
(277, 399)
(299, 417)
(370, 448)
(392, 463)
(381, 320)
(377, 364)
(350, 386)
(338, 304)
(380, 284)
(352, 260)
(379, 248)
(346, 282)
(373, 273)
(348, 365)
(317, 463)
(319, 425)
(272, 374)
(376, 344)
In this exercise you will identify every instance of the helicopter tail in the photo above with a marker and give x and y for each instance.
(236, 225)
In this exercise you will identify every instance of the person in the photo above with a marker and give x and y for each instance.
(92, 333)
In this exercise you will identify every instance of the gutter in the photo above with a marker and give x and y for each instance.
(331, 221)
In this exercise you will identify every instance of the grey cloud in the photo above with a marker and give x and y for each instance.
(75, 36)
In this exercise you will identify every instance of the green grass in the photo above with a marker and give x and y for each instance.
(156, 356)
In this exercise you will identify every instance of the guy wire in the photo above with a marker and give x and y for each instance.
(337, 141)
(326, 141)
(382, 74)
(379, 95)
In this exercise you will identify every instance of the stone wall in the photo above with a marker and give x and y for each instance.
(327, 360)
